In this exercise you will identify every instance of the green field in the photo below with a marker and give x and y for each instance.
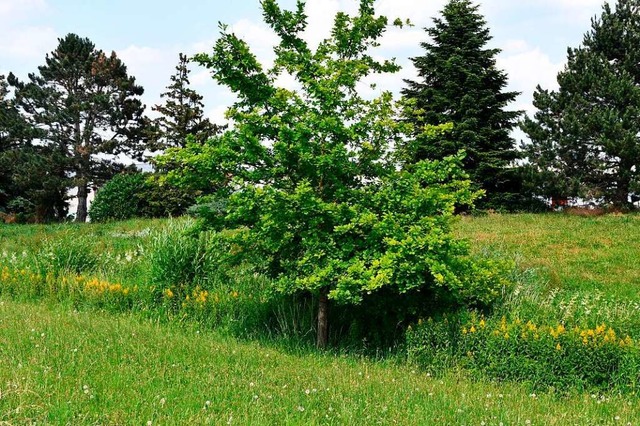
(573, 253)
(66, 367)
(70, 356)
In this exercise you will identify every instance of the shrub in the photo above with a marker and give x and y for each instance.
(546, 356)
(119, 198)
(139, 195)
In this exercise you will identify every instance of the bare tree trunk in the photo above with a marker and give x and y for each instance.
(81, 212)
(323, 319)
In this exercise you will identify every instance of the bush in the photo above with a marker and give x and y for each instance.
(119, 199)
(546, 356)
(139, 195)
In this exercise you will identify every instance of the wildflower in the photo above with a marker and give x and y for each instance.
(558, 347)
(482, 324)
(472, 329)
(300, 408)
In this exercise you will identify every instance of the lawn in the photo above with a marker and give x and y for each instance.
(104, 345)
(572, 253)
(60, 366)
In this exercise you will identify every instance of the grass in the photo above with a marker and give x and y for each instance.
(572, 253)
(67, 367)
(75, 360)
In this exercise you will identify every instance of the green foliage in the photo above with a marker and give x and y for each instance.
(32, 186)
(87, 106)
(312, 187)
(119, 198)
(139, 195)
(182, 113)
(584, 136)
(555, 356)
(459, 83)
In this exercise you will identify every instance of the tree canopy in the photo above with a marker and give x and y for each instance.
(88, 107)
(460, 83)
(585, 136)
(182, 113)
(314, 192)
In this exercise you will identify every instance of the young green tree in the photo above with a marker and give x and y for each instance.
(459, 83)
(585, 137)
(88, 106)
(182, 113)
(317, 202)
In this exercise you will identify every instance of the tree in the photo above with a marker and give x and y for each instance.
(30, 183)
(89, 108)
(182, 113)
(585, 136)
(317, 202)
(460, 83)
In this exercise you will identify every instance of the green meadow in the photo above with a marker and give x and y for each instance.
(90, 334)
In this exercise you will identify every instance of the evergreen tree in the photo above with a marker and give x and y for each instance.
(182, 113)
(29, 183)
(89, 107)
(459, 83)
(585, 137)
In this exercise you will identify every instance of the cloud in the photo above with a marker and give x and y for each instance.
(12, 10)
(529, 68)
(27, 42)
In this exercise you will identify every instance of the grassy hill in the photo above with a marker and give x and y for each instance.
(104, 345)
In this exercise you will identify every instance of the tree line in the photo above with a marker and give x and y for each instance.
(65, 126)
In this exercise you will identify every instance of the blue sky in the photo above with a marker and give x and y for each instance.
(148, 35)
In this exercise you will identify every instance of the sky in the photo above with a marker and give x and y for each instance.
(148, 36)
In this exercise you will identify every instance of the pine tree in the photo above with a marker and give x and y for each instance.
(89, 107)
(459, 83)
(585, 137)
(182, 113)
(30, 183)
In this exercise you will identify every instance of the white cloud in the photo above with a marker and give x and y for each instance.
(528, 68)
(27, 42)
(11, 10)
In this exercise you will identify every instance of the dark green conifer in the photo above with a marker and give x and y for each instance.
(90, 110)
(585, 137)
(182, 113)
(459, 83)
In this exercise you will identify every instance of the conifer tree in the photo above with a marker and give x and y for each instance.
(182, 113)
(30, 177)
(459, 83)
(89, 107)
(585, 137)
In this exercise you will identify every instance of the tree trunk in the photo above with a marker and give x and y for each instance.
(81, 212)
(323, 319)
(621, 196)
